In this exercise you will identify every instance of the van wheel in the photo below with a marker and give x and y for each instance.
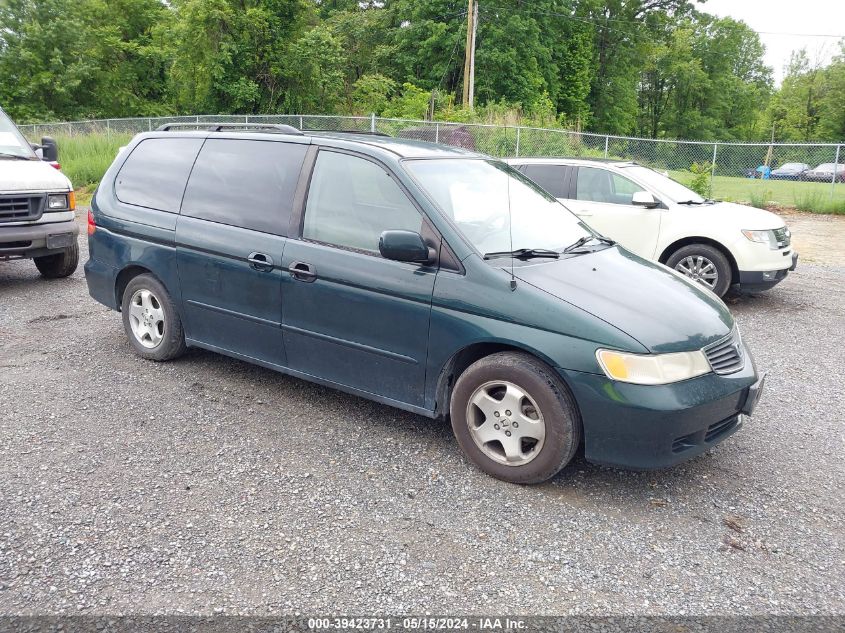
(705, 264)
(514, 418)
(151, 321)
(59, 265)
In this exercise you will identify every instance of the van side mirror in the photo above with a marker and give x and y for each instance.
(644, 199)
(49, 149)
(405, 246)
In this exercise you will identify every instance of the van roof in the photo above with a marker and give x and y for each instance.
(401, 147)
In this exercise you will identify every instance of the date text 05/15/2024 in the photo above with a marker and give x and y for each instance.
(417, 623)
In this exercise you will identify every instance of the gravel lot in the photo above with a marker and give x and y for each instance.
(208, 485)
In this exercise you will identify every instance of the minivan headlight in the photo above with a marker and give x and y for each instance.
(652, 369)
(762, 237)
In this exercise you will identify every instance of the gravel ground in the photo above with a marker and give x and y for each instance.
(207, 485)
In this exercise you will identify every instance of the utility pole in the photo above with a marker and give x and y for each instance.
(469, 61)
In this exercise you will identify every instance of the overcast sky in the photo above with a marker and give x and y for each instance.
(787, 16)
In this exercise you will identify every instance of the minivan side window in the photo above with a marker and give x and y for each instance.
(245, 183)
(601, 185)
(156, 171)
(549, 177)
(351, 201)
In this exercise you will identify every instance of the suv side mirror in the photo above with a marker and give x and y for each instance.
(49, 149)
(405, 246)
(644, 199)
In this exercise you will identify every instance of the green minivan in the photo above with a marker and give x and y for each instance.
(432, 279)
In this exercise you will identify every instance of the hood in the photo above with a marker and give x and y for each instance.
(744, 217)
(663, 310)
(31, 175)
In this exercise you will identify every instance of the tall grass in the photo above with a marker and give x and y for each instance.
(759, 199)
(819, 203)
(85, 159)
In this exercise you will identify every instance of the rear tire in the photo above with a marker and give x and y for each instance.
(514, 418)
(60, 264)
(700, 262)
(151, 321)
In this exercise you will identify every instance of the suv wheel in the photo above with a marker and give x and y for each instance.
(151, 321)
(59, 265)
(514, 418)
(705, 264)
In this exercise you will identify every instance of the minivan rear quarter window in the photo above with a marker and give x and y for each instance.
(245, 183)
(155, 174)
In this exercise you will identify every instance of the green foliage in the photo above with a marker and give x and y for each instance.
(700, 181)
(371, 93)
(85, 159)
(760, 199)
(656, 68)
(816, 202)
(809, 103)
(411, 103)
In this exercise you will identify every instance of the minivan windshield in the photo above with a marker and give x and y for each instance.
(665, 186)
(12, 142)
(495, 207)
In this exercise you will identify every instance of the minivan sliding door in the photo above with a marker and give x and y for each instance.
(230, 239)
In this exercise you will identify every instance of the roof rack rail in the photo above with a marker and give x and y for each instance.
(367, 132)
(211, 126)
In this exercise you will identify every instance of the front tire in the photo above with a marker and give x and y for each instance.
(151, 321)
(704, 264)
(514, 418)
(58, 265)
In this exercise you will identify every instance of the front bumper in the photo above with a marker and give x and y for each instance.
(643, 427)
(765, 279)
(36, 240)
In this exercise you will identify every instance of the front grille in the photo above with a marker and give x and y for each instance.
(782, 237)
(715, 431)
(725, 357)
(20, 208)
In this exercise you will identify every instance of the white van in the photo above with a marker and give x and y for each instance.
(36, 204)
(718, 244)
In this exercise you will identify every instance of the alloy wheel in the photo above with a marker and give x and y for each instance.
(146, 316)
(506, 423)
(700, 269)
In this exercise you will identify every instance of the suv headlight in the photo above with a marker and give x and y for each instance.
(60, 202)
(762, 237)
(652, 369)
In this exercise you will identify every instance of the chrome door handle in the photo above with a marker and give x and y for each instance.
(302, 271)
(260, 261)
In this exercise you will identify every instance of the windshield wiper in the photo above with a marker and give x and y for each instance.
(15, 156)
(588, 238)
(696, 202)
(524, 253)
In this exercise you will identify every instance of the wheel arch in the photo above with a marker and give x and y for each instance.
(127, 274)
(688, 241)
(466, 356)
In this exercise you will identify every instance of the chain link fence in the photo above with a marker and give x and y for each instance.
(802, 175)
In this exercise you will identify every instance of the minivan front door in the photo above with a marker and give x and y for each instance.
(603, 201)
(230, 238)
(350, 316)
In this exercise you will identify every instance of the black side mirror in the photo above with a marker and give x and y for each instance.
(49, 149)
(405, 246)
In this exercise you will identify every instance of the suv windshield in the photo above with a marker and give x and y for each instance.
(664, 185)
(495, 207)
(12, 142)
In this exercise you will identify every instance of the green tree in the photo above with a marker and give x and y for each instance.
(315, 70)
(371, 93)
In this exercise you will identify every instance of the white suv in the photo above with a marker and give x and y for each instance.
(36, 204)
(716, 243)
